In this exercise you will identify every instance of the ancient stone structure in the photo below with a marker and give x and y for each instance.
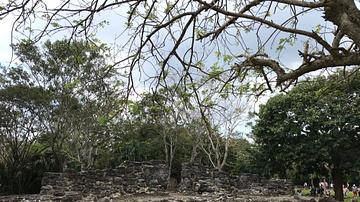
(150, 178)
(200, 179)
(129, 178)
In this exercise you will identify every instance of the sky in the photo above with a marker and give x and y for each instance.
(5, 41)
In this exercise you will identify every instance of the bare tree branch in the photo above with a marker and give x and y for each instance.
(181, 37)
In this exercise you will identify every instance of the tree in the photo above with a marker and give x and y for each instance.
(239, 160)
(55, 107)
(21, 109)
(222, 114)
(313, 128)
(83, 94)
(183, 35)
(161, 112)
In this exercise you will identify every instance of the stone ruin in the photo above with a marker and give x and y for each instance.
(199, 179)
(150, 178)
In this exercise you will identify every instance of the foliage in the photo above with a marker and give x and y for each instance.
(71, 118)
(21, 165)
(82, 94)
(50, 105)
(162, 114)
(312, 129)
(239, 157)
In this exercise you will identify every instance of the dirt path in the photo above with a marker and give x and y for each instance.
(177, 197)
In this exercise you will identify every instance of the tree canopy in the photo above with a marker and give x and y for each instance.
(313, 129)
(178, 40)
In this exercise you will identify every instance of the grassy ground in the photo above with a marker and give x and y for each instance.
(350, 195)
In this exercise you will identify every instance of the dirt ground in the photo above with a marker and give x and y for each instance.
(178, 197)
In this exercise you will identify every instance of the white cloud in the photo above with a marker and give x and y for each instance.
(5, 40)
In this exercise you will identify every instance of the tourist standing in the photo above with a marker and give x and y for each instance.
(345, 190)
(320, 189)
(305, 185)
(355, 190)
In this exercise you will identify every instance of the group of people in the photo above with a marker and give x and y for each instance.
(324, 189)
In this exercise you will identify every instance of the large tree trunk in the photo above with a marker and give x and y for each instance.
(338, 177)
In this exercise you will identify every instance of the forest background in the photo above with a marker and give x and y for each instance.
(89, 84)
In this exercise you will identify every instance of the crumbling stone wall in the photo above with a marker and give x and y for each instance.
(199, 179)
(150, 178)
(128, 178)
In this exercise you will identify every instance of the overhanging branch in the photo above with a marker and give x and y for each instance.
(317, 64)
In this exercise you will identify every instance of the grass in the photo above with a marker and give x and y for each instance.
(350, 195)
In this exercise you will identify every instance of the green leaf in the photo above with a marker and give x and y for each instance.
(103, 120)
(54, 24)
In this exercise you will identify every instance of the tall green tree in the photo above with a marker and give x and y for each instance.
(21, 110)
(57, 102)
(83, 92)
(315, 128)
